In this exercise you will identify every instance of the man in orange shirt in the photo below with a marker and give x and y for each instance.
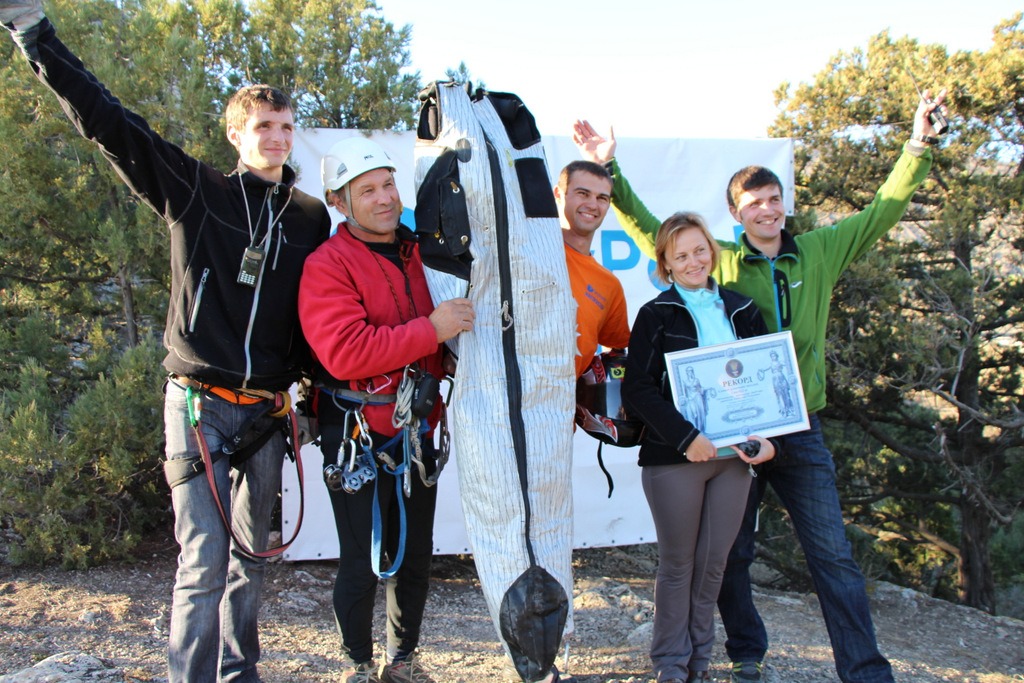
(583, 195)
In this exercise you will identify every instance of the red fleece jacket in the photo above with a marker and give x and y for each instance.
(365, 319)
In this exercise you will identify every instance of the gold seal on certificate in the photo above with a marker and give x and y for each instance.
(729, 391)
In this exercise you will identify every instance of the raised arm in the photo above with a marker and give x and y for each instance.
(153, 168)
(851, 237)
(639, 223)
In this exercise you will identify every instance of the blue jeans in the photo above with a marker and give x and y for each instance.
(804, 478)
(213, 632)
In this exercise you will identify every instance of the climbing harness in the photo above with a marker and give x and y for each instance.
(239, 448)
(354, 464)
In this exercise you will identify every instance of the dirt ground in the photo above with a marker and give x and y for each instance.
(120, 614)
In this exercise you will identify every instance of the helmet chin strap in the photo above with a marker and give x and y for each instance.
(352, 210)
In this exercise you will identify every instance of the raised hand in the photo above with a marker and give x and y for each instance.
(591, 145)
(21, 14)
(923, 126)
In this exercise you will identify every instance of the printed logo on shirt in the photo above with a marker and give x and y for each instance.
(595, 296)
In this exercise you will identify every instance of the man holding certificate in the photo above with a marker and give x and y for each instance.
(791, 279)
(696, 491)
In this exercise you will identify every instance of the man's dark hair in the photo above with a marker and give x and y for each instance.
(750, 178)
(584, 166)
(248, 99)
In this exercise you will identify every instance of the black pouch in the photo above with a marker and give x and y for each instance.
(442, 218)
(425, 395)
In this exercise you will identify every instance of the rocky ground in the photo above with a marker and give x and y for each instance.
(110, 624)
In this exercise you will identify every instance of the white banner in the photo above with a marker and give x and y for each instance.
(669, 175)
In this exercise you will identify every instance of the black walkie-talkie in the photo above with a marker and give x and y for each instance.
(937, 118)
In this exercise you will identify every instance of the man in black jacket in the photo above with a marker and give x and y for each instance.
(238, 243)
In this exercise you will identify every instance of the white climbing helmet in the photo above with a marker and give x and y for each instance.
(349, 158)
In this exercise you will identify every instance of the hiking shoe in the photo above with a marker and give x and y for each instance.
(404, 671)
(746, 672)
(364, 672)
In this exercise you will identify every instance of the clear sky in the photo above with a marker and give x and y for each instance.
(669, 68)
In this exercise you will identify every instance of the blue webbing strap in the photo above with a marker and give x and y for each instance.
(377, 532)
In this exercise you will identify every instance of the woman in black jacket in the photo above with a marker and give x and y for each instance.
(697, 492)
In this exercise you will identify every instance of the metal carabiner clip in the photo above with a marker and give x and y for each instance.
(365, 440)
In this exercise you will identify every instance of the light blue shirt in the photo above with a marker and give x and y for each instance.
(713, 326)
(708, 309)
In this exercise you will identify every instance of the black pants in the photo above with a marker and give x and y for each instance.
(356, 585)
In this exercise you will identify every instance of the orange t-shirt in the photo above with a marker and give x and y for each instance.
(601, 316)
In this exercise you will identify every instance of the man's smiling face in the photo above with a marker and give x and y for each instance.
(585, 203)
(762, 214)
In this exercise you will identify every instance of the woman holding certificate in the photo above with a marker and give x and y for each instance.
(697, 492)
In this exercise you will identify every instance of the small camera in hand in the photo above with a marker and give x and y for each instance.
(938, 121)
(750, 448)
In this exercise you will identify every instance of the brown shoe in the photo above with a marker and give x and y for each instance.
(405, 671)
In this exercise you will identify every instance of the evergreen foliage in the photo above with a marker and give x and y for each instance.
(84, 263)
(927, 332)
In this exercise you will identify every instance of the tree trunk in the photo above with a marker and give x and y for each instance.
(128, 301)
(977, 585)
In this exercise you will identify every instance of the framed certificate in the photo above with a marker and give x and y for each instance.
(750, 386)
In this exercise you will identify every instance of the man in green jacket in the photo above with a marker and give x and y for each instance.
(791, 279)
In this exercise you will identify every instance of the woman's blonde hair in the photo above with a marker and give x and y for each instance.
(677, 222)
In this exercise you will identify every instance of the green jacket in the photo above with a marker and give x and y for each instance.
(807, 267)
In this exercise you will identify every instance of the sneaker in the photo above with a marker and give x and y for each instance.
(746, 672)
(405, 671)
(360, 673)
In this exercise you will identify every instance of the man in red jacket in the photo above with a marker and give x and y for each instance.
(378, 341)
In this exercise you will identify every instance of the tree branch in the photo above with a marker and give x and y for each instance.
(972, 490)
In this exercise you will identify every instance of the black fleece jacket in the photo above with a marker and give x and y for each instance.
(218, 330)
(663, 325)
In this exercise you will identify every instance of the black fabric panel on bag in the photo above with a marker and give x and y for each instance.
(520, 126)
(442, 218)
(538, 199)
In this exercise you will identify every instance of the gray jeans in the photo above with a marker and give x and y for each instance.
(697, 510)
(213, 631)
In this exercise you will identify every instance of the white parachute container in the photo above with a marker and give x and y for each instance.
(489, 231)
